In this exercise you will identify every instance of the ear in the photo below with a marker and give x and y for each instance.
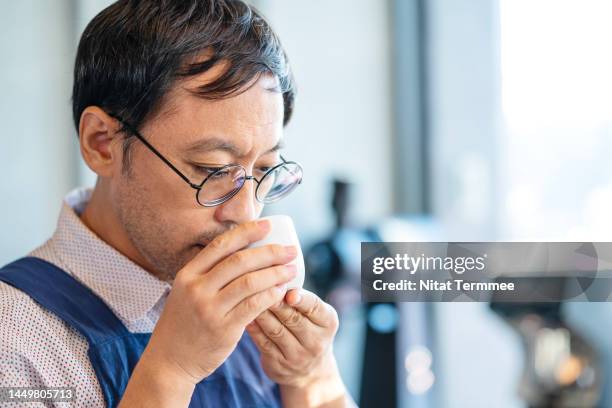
(100, 141)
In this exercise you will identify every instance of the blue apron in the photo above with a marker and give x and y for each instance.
(113, 351)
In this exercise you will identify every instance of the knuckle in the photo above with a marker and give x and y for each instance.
(267, 346)
(249, 228)
(181, 280)
(203, 311)
(280, 271)
(251, 225)
(217, 243)
(276, 250)
(238, 258)
(278, 331)
(314, 309)
(318, 348)
(192, 289)
(294, 319)
(253, 303)
(298, 360)
(249, 283)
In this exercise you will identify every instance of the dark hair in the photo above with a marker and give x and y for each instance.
(133, 52)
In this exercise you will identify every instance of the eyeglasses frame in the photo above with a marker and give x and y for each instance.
(199, 187)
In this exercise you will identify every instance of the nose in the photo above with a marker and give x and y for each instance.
(240, 208)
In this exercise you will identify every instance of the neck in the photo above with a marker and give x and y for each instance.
(100, 218)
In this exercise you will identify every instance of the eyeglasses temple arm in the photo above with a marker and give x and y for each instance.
(158, 154)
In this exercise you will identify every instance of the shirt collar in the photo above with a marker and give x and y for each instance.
(129, 290)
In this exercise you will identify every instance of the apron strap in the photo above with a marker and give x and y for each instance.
(64, 296)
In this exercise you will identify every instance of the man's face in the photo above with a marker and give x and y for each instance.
(157, 208)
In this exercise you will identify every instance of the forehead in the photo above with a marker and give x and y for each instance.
(252, 119)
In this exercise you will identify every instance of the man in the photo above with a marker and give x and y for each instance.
(147, 295)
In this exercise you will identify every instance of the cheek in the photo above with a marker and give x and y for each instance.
(156, 185)
(162, 205)
(179, 220)
(165, 207)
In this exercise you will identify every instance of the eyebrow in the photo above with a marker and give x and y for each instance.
(215, 143)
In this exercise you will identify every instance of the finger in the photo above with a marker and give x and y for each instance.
(263, 343)
(312, 307)
(251, 307)
(253, 282)
(304, 330)
(227, 243)
(247, 260)
(286, 342)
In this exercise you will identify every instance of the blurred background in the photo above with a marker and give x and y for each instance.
(442, 120)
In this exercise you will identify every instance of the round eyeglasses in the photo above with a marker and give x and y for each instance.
(225, 182)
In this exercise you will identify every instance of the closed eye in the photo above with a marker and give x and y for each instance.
(261, 171)
(209, 170)
(206, 170)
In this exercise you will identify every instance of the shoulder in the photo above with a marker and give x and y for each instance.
(38, 349)
(24, 324)
(28, 328)
(22, 319)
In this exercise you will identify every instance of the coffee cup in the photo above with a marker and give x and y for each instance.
(282, 231)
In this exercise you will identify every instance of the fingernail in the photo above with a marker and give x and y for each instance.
(281, 288)
(298, 299)
(263, 224)
(290, 250)
(292, 269)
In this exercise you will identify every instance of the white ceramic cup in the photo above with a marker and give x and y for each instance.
(282, 231)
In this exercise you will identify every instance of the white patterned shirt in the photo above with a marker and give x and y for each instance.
(37, 349)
